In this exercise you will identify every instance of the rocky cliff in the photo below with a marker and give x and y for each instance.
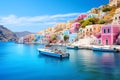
(7, 35)
(22, 34)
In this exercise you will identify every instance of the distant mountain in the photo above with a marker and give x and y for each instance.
(7, 35)
(22, 34)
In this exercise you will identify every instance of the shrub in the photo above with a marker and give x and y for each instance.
(101, 22)
(106, 9)
(66, 37)
(85, 23)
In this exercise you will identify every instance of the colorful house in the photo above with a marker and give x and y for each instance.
(72, 37)
(59, 27)
(47, 37)
(114, 2)
(80, 17)
(29, 38)
(60, 38)
(83, 33)
(109, 34)
(80, 34)
(116, 18)
(68, 25)
(101, 14)
(39, 37)
(97, 39)
(118, 40)
(66, 32)
(91, 15)
(75, 27)
(96, 29)
(89, 30)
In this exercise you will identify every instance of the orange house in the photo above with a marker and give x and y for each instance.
(96, 29)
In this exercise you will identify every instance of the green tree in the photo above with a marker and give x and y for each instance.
(53, 37)
(81, 21)
(101, 22)
(106, 9)
(85, 23)
(93, 20)
(35, 40)
(66, 37)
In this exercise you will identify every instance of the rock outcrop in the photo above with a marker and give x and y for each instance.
(22, 34)
(7, 35)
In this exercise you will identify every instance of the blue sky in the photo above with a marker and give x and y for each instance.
(36, 15)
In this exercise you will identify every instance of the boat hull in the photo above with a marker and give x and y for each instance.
(52, 54)
(104, 50)
(75, 47)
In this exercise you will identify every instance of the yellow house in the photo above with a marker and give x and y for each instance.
(68, 25)
(114, 2)
(89, 30)
(116, 18)
(96, 29)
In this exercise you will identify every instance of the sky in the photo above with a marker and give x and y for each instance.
(37, 15)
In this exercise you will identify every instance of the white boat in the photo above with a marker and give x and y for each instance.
(73, 47)
(103, 49)
(53, 54)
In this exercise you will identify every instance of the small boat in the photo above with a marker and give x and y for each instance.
(73, 47)
(53, 54)
(86, 47)
(104, 49)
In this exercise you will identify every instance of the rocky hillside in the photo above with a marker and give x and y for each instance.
(22, 34)
(7, 35)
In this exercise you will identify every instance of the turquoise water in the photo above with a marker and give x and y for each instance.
(23, 62)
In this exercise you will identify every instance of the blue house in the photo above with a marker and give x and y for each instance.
(38, 37)
(91, 15)
(72, 37)
(66, 32)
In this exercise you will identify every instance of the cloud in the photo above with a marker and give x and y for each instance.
(14, 22)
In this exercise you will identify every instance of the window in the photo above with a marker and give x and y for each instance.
(115, 18)
(99, 42)
(104, 31)
(90, 29)
(108, 30)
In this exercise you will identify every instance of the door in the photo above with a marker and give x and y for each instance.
(106, 41)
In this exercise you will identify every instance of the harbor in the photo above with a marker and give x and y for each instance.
(60, 40)
(23, 61)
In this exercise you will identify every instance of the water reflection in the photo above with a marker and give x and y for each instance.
(19, 59)
(102, 65)
(49, 59)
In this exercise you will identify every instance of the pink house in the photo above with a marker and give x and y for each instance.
(47, 37)
(80, 17)
(109, 34)
(75, 27)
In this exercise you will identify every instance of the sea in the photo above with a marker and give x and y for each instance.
(24, 62)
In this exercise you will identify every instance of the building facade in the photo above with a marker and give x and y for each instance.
(114, 2)
(109, 34)
(116, 18)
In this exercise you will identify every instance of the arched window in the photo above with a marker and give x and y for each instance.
(90, 29)
(104, 31)
(108, 30)
(115, 18)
